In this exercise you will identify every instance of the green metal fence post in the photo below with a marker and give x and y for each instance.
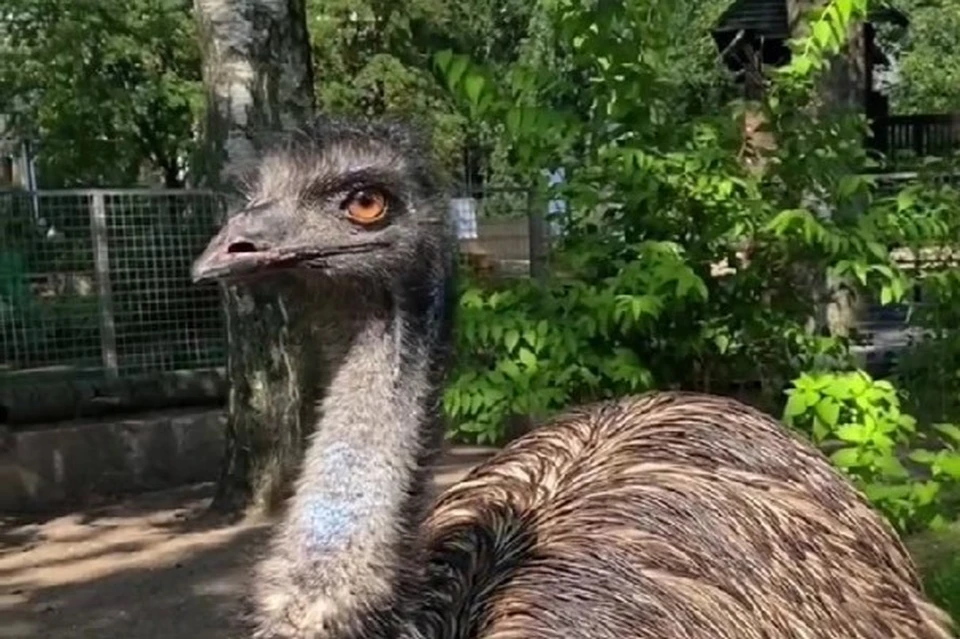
(101, 260)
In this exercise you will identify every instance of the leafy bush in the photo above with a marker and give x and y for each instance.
(529, 351)
(660, 199)
(859, 422)
(683, 266)
(942, 584)
(929, 371)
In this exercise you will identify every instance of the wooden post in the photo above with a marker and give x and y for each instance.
(101, 261)
(917, 133)
(537, 238)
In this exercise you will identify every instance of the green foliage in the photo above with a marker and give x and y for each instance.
(40, 330)
(108, 87)
(373, 58)
(660, 196)
(859, 422)
(942, 585)
(929, 370)
(928, 52)
(520, 357)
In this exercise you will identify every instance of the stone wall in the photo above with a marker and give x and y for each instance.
(60, 465)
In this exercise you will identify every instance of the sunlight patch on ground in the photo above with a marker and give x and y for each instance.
(70, 549)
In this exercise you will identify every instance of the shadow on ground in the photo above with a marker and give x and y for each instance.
(139, 569)
(159, 566)
(152, 566)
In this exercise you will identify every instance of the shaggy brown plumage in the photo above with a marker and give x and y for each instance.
(668, 516)
(665, 516)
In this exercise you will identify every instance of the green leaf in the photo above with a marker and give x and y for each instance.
(823, 35)
(908, 422)
(796, 405)
(443, 59)
(905, 200)
(891, 468)
(839, 388)
(473, 87)
(828, 410)
(925, 492)
(949, 464)
(723, 343)
(844, 9)
(819, 431)
(527, 358)
(884, 385)
(531, 337)
(510, 369)
(860, 270)
(938, 523)
(859, 383)
(853, 433)
(886, 295)
(922, 456)
(846, 458)
(880, 492)
(950, 431)
(456, 69)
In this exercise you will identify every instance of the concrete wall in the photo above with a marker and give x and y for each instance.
(67, 464)
(44, 396)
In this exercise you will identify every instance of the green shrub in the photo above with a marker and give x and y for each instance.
(942, 584)
(929, 370)
(858, 421)
(659, 197)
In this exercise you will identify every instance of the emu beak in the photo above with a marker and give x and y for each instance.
(234, 253)
(241, 250)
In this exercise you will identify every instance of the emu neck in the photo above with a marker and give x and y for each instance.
(349, 545)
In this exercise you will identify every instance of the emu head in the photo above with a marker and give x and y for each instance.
(342, 201)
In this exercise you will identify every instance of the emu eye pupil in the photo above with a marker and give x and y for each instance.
(366, 207)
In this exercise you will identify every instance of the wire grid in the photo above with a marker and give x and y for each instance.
(162, 320)
(48, 294)
(99, 281)
(495, 221)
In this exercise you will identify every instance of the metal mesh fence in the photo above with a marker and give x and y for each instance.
(505, 225)
(97, 282)
(162, 320)
(48, 290)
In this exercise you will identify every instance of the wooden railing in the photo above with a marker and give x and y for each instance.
(935, 134)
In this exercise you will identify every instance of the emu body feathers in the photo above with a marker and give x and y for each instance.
(666, 516)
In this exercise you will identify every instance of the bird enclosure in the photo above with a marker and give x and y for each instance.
(95, 284)
(506, 225)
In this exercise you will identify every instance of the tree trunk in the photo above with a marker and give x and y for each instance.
(258, 78)
(842, 88)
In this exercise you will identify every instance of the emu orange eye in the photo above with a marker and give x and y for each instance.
(366, 207)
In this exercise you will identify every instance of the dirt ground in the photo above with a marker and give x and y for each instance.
(152, 566)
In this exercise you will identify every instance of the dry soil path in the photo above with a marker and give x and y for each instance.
(152, 566)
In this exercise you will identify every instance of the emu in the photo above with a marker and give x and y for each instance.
(661, 516)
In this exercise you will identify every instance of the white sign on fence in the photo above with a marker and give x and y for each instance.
(463, 210)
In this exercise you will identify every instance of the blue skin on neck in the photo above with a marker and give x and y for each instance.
(330, 519)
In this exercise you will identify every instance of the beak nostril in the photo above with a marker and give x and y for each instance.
(241, 247)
